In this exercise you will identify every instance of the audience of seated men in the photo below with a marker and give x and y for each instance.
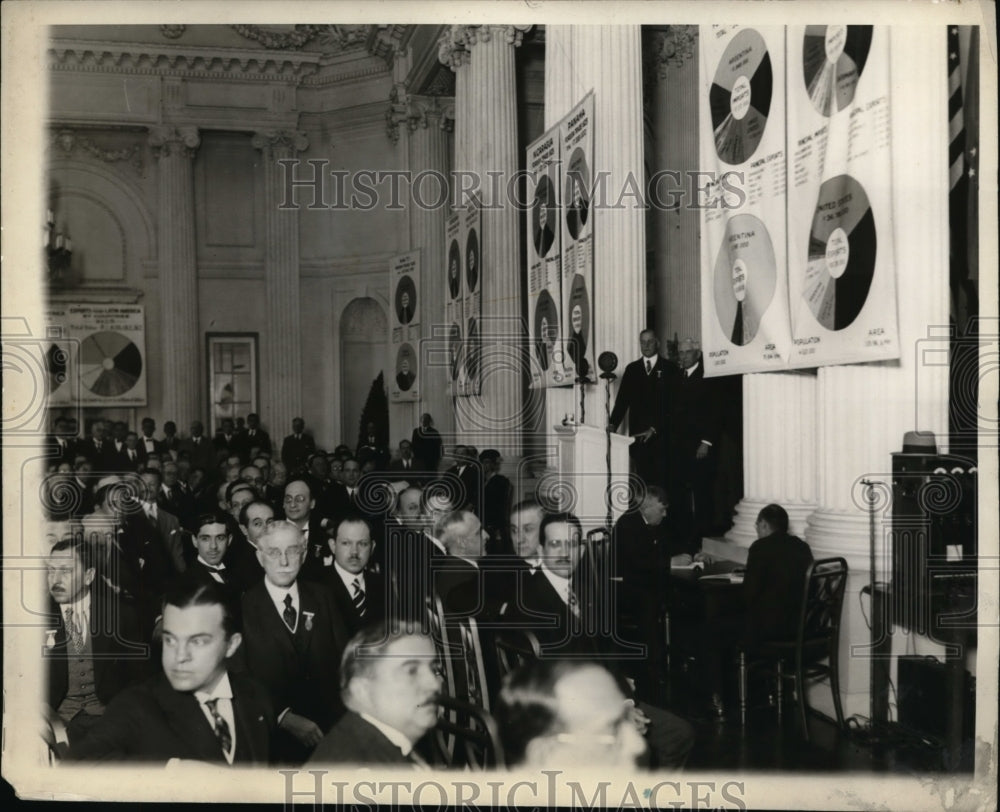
(293, 638)
(390, 682)
(196, 709)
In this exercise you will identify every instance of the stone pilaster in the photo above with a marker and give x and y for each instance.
(174, 148)
(281, 344)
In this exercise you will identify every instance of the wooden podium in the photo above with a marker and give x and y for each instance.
(583, 472)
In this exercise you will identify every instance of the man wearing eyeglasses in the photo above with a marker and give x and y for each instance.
(300, 509)
(293, 639)
(557, 713)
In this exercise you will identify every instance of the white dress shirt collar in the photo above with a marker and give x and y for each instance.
(223, 692)
(278, 593)
(393, 735)
(348, 578)
(81, 611)
(560, 584)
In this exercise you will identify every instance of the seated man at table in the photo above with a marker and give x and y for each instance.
(390, 681)
(772, 596)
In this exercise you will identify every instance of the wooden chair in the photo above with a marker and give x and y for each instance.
(514, 648)
(813, 652)
(466, 736)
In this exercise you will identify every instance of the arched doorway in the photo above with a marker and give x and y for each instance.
(363, 348)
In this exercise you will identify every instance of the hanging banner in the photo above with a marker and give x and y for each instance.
(544, 264)
(101, 357)
(842, 286)
(576, 133)
(744, 296)
(454, 302)
(472, 298)
(404, 280)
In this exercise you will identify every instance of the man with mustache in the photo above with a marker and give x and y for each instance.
(358, 592)
(390, 680)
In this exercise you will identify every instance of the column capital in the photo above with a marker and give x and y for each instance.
(456, 41)
(425, 111)
(666, 47)
(167, 140)
(269, 141)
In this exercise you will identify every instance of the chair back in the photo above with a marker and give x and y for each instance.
(467, 737)
(598, 551)
(436, 626)
(514, 648)
(823, 601)
(469, 667)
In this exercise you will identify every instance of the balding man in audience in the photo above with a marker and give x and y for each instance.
(293, 639)
(390, 681)
(558, 714)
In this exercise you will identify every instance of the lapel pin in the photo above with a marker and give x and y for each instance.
(309, 620)
(50, 638)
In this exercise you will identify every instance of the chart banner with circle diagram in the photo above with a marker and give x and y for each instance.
(841, 268)
(101, 353)
(454, 313)
(576, 132)
(548, 358)
(404, 339)
(743, 196)
(472, 298)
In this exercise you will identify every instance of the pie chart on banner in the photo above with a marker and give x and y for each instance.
(833, 58)
(740, 97)
(745, 278)
(842, 250)
(110, 364)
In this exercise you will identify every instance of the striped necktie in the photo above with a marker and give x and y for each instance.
(359, 597)
(74, 632)
(289, 614)
(222, 732)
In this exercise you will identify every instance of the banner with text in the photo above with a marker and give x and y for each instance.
(404, 279)
(842, 286)
(576, 133)
(744, 312)
(97, 355)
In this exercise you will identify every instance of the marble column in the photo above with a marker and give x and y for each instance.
(779, 450)
(429, 121)
(671, 64)
(863, 410)
(607, 59)
(486, 142)
(281, 341)
(174, 148)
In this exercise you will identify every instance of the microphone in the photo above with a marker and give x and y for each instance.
(608, 362)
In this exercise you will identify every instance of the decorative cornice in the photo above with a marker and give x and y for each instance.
(167, 140)
(170, 60)
(668, 47)
(270, 141)
(70, 141)
(457, 40)
(325, 38)
(172, 31)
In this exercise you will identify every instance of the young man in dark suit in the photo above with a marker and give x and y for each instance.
(200, 450)
(426, 441)
(297, 446)
(95, 648)
(644, 396)
(252, 437)
(196, 709)
(294, 636)
(358, 592)
(390, 681)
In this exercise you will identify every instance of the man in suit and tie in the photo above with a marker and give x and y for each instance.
(406, 460)
(297, 446)
(252, 437)
(694, 437)
(211, 540)
(390, 682)
(462, 580)
(148, 443)
(94, 447)
(60, 446)
(643, 395)
(293, 640)
(426, 442)
(197, 709)
(175, 496)
(170, 444)
(131, 457)
(300, 509)
(200, 451)
(166, 525)
(358, 592)
(225, 437)
(96, 648)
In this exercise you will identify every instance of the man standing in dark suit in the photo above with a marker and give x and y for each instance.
(175, 496)
(426, 442)
(200, 451)
(148, 443)
(225, 437)
(252, 437)
(297, 446)
(60, 446)
(643, 395)
(94, 447)
(300, 509)
(293, 640)
(390, 682)
(196, 709)
(359, 593)
(694, 434)
(95, 648)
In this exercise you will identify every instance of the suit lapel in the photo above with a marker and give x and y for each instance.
(250, 747)
(185, 718)
(273, 624)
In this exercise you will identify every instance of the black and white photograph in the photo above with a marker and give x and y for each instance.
(698, 306)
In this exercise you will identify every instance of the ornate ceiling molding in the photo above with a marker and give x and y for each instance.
(326, 39)
(169, 60)
(70, 142)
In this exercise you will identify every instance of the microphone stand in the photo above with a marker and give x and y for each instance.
(608, 377)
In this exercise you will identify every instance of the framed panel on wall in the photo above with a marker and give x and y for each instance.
(232, 376)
